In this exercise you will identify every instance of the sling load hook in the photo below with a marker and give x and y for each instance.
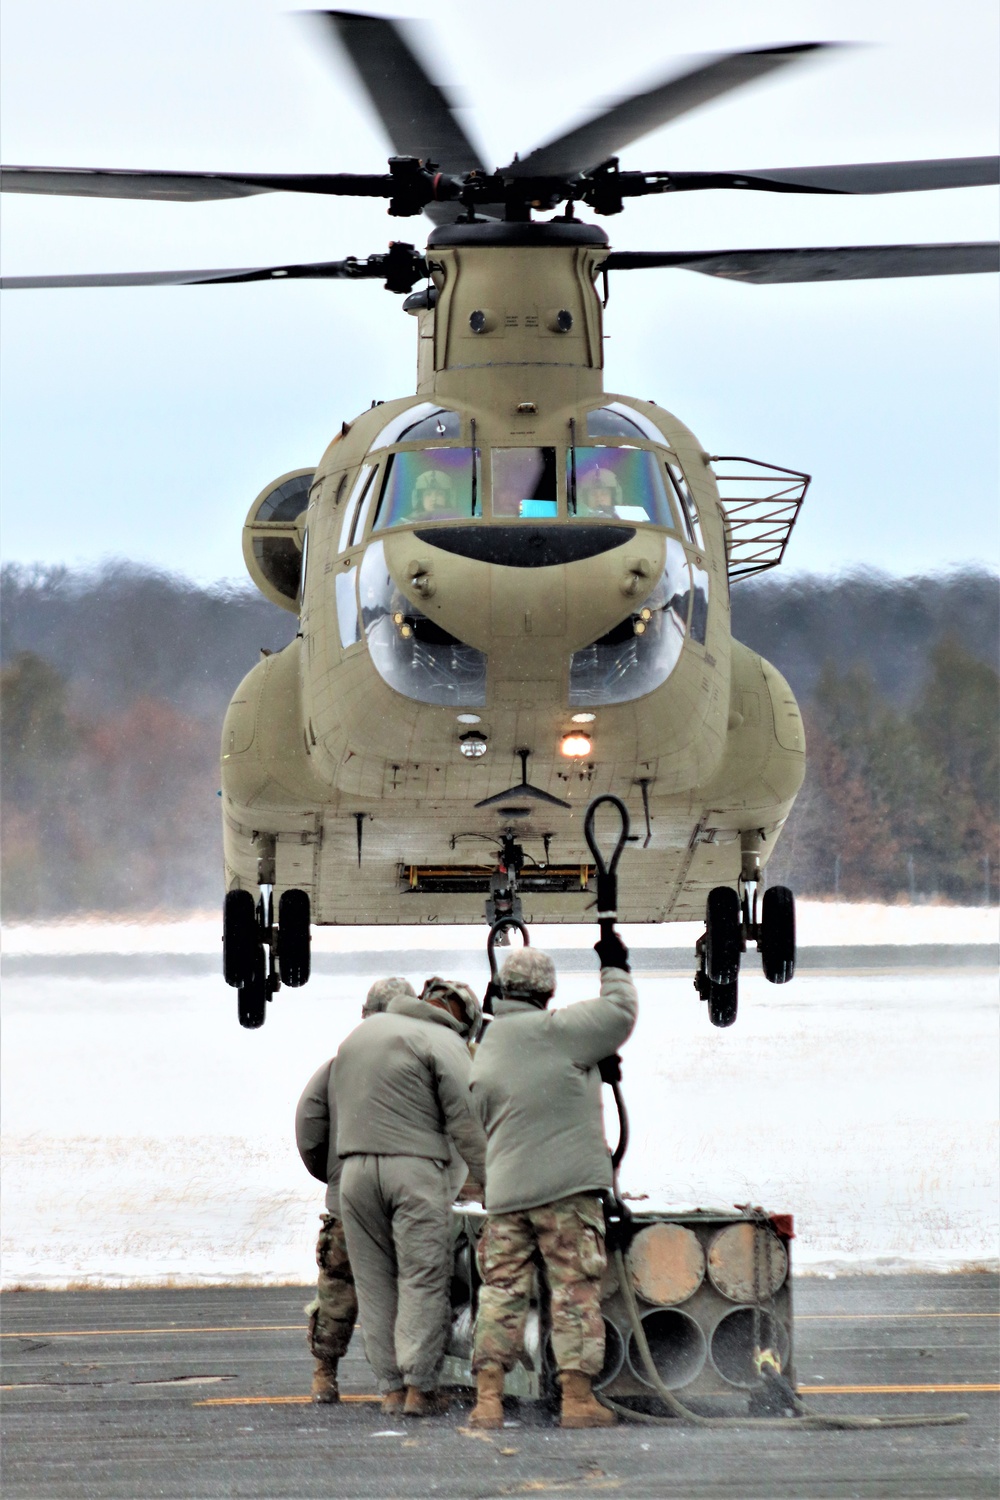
(502, 924)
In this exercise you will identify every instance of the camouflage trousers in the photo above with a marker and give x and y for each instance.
(334, 1312)
(567, 1238)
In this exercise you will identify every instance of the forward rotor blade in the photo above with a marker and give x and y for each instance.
(416, 115)
(186, 187)
(838, 263)
(869, 177)
(376, 266)
(593, 142)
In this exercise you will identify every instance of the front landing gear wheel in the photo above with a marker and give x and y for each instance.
(293, 938)
(252, 997)
(723, 1000)
(777, 934)
(240, 938)
(723, 936)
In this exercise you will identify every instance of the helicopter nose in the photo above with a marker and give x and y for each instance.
(549, 607)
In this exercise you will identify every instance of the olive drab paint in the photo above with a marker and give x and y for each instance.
(356, 727)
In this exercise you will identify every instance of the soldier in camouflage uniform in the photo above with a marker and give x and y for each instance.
(333, 1312)
(537, 1089)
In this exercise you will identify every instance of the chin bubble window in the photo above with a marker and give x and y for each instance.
(410, 652)
(622, 484)
(428, 484)
(524, 483)
(639, 654)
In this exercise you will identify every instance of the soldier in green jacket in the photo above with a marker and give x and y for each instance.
(333, 1312)
(537, 1089)
(402, 1087)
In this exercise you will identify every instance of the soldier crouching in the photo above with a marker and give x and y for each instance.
(537, 1089)
(334, 1311)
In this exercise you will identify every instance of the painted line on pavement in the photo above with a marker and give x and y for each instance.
(804, 1390)
(274, 1400)
(896, 1390)
(104, 1333)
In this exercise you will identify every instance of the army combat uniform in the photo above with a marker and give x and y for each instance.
(402, 1093)
(334, 1311)
(537, 1089)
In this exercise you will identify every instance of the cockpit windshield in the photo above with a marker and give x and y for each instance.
(429, 484)
(524, 482)
(623, 484)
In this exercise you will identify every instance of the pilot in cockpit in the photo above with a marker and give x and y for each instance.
(598, 494)
(433, 495)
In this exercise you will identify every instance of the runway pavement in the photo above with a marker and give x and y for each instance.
(200, 1393)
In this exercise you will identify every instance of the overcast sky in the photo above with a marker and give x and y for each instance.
(141, 423)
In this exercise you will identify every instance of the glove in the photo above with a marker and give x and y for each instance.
(612, 951)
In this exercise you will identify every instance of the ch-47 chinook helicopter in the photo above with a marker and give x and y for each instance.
(513, 586)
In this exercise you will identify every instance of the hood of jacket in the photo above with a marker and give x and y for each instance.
(419, 1010)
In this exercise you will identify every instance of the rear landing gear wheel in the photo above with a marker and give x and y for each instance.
(777, 934)
(240, 937)
(723, 935)
(293, 938)
(723, 1000)
(252, 996)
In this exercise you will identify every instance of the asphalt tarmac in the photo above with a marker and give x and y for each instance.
(200, 1393)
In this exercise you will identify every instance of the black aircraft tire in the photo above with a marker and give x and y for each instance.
(777, 942)
(240, 938)
(723, 935)
(293, 938)
(252, 997)
(723, 1000)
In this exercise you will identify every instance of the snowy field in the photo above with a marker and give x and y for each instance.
(147, 1138)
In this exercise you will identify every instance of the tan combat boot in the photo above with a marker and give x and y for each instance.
(424, 1403)
(579, 1409)
(488, 1410)
(392, 1402)
(325, 1391)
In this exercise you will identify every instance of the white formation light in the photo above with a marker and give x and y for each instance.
(575, 745)
(473, 744)
(584, 718)
(468, 718)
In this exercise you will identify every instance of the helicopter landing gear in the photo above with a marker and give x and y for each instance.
(256, 950)
(293, 938)
(731, 922)
(253, 996)
(776, 939)
(240, 938)
(723, 943)
(722, 996)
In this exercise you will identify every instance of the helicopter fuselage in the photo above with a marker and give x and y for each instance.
(512, 596)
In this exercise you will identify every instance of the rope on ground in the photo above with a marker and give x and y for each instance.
(805, 1420)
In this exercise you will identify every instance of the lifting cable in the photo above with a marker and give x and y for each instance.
(618, 1219)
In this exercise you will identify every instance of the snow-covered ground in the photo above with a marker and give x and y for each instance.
(148, 1138)
(819, 923)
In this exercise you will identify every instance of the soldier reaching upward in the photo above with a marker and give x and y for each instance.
(333, 1312)
(537, 1089)
(402, 1086)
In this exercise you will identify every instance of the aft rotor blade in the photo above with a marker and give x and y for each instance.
(868, 177)
(838, 263)
(593, 142)
(187, 187)
(376, 266)
(416, 115)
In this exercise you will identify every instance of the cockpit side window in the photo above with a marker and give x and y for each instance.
(428, 484)
(689, 511)
(524, 483)
(623, 484)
